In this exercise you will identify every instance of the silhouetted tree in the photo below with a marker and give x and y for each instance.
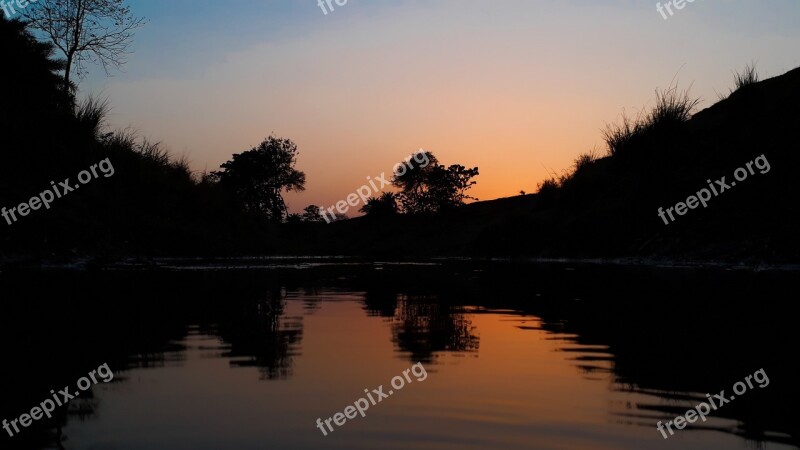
(294, 218)
(97, 31)
(35, 112)
(383, 206)
(449, 186)
(258, 176)
(311, 213)
(411, 178)
(432, 187)
(32, 83)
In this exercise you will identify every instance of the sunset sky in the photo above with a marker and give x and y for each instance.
(515, 87)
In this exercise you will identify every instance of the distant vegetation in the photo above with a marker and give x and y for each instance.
(432, 187)
(423, 187)
(383, 206)
(257, 177)
(666, 120)
(153, 205)
(603, 205)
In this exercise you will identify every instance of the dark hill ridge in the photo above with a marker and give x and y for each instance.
(609, 208)
(155, 206)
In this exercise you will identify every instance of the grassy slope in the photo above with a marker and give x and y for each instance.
(151, 205)
(609, 208)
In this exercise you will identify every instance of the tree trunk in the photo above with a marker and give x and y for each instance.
(67, 71)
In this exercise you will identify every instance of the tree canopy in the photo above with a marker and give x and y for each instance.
(383, 206)
(427, 186)
(258, 176)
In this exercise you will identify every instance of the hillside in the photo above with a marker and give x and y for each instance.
(147, 203)
(144, 202)
(609, 208)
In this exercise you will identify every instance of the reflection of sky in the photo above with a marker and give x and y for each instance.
(512, 86)
(520, 390)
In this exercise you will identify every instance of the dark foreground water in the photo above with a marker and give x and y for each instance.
(511, 356)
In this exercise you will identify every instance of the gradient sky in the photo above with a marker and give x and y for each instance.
(518, 88)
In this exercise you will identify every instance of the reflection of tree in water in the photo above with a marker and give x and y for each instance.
(614, 330)
(380, 303)
(261, 336)
(311, 300)
(423, 327)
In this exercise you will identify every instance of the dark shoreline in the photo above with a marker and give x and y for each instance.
(301, 262)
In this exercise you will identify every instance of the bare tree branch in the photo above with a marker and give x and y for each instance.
(86, 31)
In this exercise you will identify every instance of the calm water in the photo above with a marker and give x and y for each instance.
(515, 358)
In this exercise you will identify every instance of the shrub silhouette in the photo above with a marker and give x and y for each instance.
(153, 203)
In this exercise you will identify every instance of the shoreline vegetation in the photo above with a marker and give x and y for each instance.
(601, 209)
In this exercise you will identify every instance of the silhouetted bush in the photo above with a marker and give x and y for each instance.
(153, 204)
(673, 108)
(747, 77)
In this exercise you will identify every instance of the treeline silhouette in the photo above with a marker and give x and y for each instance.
(604, 206)
(153, 204)
(607, 205)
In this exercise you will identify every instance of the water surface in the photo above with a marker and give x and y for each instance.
(251, 359)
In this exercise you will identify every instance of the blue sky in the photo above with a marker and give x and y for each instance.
(514, 87)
